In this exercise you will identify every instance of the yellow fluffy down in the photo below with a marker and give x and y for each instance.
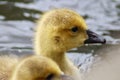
(38, 68)
(7, 64)
(56, 33)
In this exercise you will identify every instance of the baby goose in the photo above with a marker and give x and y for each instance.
(60, 30)
(38, 68)
(7, 64)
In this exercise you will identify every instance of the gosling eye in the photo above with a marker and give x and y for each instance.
(49, 77)
(74, 29)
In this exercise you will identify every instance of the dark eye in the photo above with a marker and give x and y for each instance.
(49, 77)
(74, 29)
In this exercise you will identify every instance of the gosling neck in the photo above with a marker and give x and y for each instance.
(56, 56)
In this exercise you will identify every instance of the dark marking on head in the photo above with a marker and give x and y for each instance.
(57, 39)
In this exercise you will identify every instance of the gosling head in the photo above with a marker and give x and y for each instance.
(63, 29)
(38, 68)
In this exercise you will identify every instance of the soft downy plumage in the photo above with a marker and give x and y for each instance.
(58, 31)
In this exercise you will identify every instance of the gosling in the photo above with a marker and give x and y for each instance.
(38, 68)
(59, 31)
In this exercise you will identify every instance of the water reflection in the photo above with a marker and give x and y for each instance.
(11, 12)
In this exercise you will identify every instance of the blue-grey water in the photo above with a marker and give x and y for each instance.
(17, 23)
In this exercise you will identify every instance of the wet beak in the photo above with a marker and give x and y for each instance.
(94, 38)
(66, 77)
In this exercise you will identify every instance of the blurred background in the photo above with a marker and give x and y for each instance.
(17, 24)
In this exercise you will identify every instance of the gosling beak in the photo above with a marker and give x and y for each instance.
(66, 77)
(94, 38)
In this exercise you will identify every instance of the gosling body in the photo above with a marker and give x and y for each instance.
(7, 64)
(38, 68)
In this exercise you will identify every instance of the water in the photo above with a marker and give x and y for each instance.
(17, 23)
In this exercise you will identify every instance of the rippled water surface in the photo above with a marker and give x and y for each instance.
(17, 23)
